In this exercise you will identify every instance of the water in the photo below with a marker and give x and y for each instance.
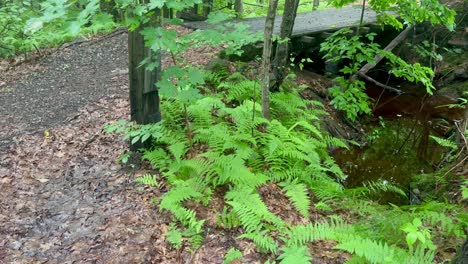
(398, 144)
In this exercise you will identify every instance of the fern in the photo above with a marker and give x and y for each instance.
(378, 187)
(295, 255)
(445, 142)
(263, 241)
(174, 236)
(297, 193)
(372, 251)
(302, 234)
(148, 179)
(251, 210)
(231, 255)
(228, 219)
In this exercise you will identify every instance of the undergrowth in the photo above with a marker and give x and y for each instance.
(21, 32)
(227, 147)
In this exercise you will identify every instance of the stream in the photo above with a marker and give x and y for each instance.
(398, 147)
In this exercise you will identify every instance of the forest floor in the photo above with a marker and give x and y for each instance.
(63, 197)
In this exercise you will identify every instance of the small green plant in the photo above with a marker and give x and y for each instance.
(416, 232)
(231, 255)
(174, 236)
(464, 189)
(148, 179)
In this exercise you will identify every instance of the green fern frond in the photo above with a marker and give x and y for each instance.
(297, 193)
(231, 255)
(263, 241)
(178, 150)
(148, 179)
(380, 186)
(228, 219)
(445, 142)
(325, 188)
(374, 252)
(174, 236)
(251, 210)
(334, 142)
(295, 255)
(302, 234)
(241, 90)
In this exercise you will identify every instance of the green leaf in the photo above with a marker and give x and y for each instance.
(156, 4)
(74, 28)
(33, 25)
(411, 239)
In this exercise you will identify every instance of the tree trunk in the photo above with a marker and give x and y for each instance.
(207, 7)
(144, 97)
(316, 4)
(282, 49)
(266, 64)
(238, 7)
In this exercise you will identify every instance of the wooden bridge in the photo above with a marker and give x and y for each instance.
(309, 23)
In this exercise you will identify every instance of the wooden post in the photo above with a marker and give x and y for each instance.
(144, 97)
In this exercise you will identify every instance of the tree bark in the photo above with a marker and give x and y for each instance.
(315, 5)
(238, 7)
(207, 7)
(144, 97)
(266, 64)
(282, 49)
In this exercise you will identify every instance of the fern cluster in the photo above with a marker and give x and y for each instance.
(222, 143)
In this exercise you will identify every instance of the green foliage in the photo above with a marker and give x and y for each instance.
(148, 179)
(350, 97)
(174, 236)
(231, 255)
(445, 142)
(228, 219)
(27, 26)
(464, 189)
(415, 232)
(298, 195)
(295, 254)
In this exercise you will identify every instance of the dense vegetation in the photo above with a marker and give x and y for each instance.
(214, 146)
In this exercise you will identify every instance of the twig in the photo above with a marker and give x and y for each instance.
(392, 89)
(458, 164)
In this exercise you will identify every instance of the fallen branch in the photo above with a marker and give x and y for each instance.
(392, 89)
(395, 42)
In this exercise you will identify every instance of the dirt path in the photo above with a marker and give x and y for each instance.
(53, 89)
(63, 198)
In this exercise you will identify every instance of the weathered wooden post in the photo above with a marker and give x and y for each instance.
(144, 97)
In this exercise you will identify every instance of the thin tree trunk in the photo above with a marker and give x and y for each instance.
(238, 7)
(316, 4)
(207, 7)
(282, 49)
(363, 10)
(266, 64)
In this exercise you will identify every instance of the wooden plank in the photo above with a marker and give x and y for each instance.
(307, 23)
